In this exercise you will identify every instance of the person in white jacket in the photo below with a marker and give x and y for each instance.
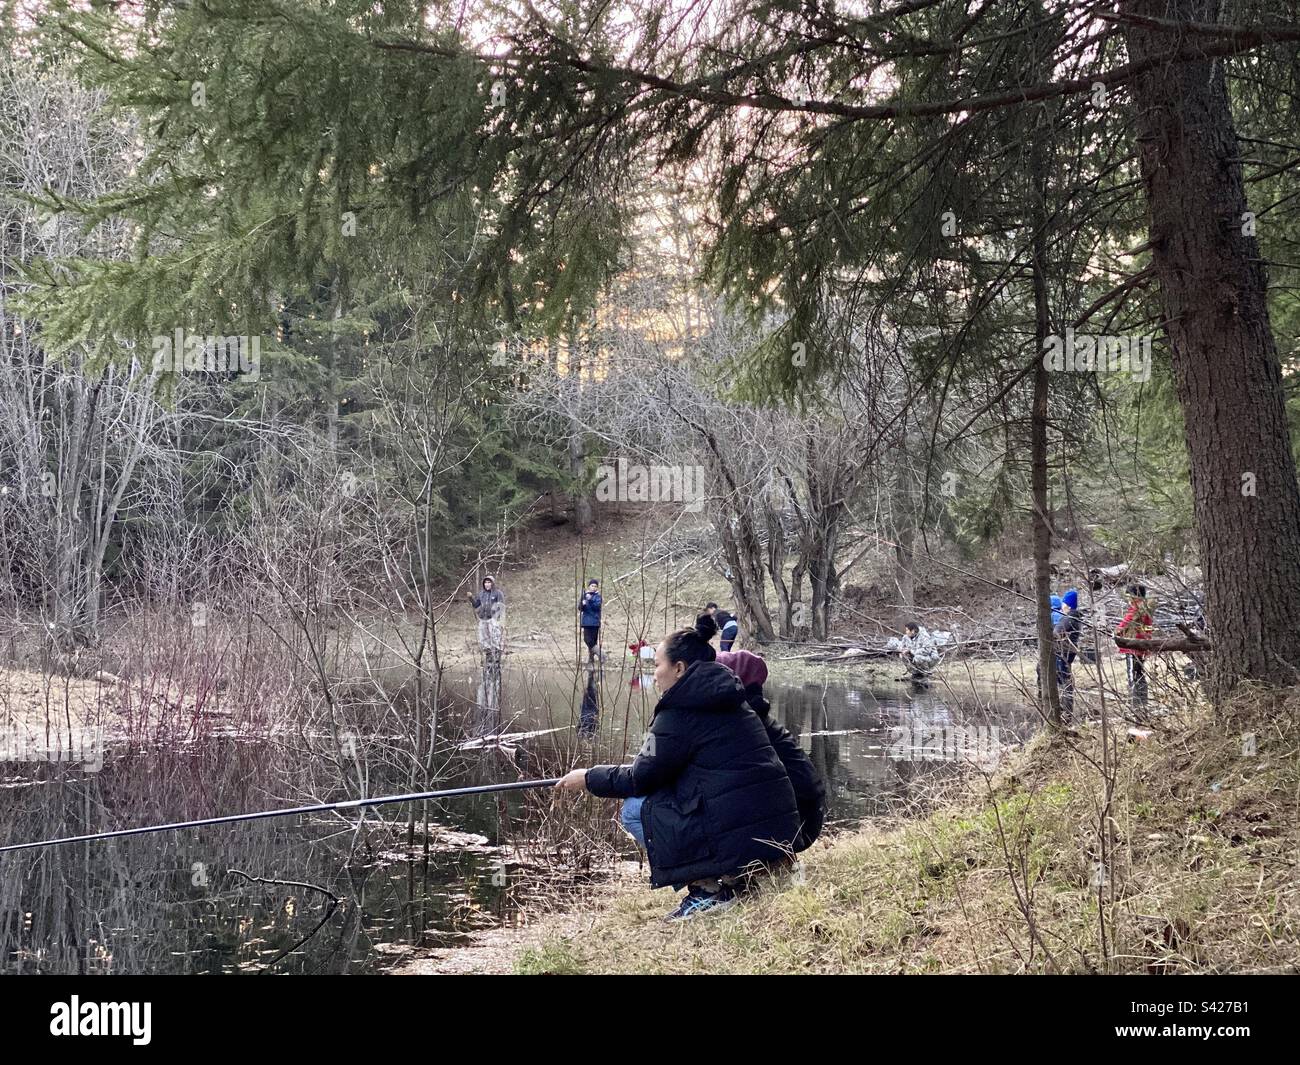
(920, 653)
(490, 608)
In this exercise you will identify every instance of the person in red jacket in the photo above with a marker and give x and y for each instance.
(1137, 625)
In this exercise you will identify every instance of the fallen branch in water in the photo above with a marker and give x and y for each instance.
(335, 902)
(1190, 643)
(847, 652)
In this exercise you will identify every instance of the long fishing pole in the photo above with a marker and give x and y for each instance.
(379, 800)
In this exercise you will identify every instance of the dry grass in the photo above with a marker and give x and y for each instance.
(1201, 872)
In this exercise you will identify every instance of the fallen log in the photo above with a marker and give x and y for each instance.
(846, 654)
(1165, 644)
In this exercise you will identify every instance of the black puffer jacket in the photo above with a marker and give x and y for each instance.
(716, 794)
(809, 790)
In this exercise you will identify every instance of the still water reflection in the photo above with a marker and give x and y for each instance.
(335, 894)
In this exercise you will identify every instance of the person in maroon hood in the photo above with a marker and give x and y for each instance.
(809, 788)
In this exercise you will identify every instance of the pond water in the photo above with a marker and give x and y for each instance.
(343, 893)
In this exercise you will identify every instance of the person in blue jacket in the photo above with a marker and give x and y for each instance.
(589, 607)
(1066, 629)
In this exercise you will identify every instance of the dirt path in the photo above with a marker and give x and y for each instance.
(495, 951)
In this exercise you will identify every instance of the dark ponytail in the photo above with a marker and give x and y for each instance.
(692, 645)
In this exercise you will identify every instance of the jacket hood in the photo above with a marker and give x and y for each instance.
(705, 686)
(489, 577)
(749, 667)
(1056, 602)
(1071, 599)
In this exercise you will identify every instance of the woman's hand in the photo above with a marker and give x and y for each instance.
(574, 780)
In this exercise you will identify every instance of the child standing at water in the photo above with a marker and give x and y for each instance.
(1138, 624)
(1067, 632)
(589, 609)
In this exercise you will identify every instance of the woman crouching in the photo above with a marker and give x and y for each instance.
(707, 795)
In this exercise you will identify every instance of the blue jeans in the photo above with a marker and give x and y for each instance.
(630, 818)
(729, 633)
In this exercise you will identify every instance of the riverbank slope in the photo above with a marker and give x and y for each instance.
(1190, 865)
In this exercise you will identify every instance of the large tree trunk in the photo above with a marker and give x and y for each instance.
(733, 519)
(1043, 547)
(824, 539)
(776, 559)
(742, 549)
(904, 512)
(577, 442)
(1213, 287)
(577, 467)
(1038, 449)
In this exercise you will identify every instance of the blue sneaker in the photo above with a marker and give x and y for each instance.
(698, 901)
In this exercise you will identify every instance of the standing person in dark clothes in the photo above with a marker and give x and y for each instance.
(1138, 624)
(1067, 633)
(490, 608)
(589, 607)
(809, 788)
(707, 795)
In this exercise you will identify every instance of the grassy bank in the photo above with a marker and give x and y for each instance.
(1191, 866)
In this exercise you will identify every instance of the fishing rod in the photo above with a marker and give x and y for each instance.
(379, 800)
